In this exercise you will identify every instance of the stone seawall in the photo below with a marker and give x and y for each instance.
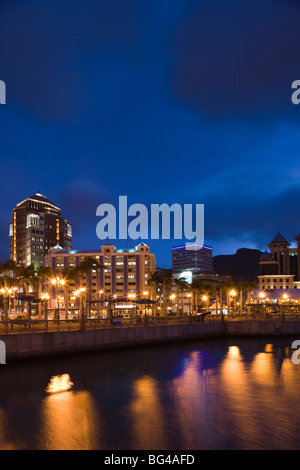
(22, 346)
(31, 345)
(262, 328)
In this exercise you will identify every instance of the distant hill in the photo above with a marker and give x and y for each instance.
(244, 265)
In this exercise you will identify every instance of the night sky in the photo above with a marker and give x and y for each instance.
(185, 101)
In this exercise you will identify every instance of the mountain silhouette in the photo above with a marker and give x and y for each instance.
(242, 266)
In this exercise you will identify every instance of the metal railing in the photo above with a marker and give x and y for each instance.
(262, 316)
(38, 326)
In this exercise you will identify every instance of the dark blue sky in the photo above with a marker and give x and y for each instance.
(161, 100)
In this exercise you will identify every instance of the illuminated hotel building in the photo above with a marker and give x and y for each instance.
(124, 273)
(37, 226)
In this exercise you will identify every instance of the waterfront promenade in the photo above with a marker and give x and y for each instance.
(35, 339)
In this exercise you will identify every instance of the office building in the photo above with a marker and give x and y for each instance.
(192, 258)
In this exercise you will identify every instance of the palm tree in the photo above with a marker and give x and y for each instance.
(41, 274)
(26, 278)
(181, 285)
(213, 289)
(8, 272)
(249, 286)
(241, 286)
(194, 289)
(202, 287)
(86, 267)
(70, 275)
(154, 280)
(167, 280)
(229, 286)
(222, 287)
(162, 278)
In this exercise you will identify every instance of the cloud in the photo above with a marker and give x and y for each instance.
(79, 201)
(247, 206)
(43, 43)
(159, 100)
(237, 58)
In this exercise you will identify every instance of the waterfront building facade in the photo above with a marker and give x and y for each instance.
(280, 267)
(36, 227)
(122, 279)
(275, 297)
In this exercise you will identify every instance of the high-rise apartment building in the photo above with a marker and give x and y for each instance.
(37, 226)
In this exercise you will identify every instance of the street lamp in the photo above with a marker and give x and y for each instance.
(205, 298)
(57, 282)
(145, 294)
(285, 299)
(114, 305)
(172, 298)
(189, 297)
(132, 297)
(44, 299)
(101, 292)
(82, 291)
(6, 292)
(232, 294)
(262, 295)
(79, 293)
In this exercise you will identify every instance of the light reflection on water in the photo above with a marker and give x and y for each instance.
(69, 420)
(147, 414)
(220, 394)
